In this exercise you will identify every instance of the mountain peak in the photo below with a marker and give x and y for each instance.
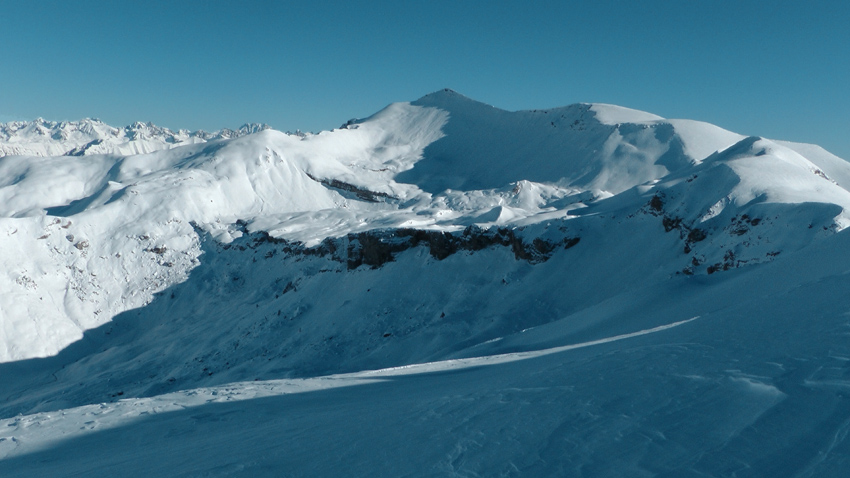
(445, 92)
(446, 98)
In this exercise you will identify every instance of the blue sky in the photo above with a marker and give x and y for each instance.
(778, 69)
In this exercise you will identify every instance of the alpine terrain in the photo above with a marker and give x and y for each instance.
(444, 288)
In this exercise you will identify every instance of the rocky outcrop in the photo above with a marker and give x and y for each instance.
(376, 248)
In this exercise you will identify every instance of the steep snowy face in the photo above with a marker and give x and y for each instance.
(92, 136)
(85, 238)
(580, 146)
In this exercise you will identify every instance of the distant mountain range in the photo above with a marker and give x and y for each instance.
(92, 136)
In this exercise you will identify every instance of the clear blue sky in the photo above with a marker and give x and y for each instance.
(778, 69)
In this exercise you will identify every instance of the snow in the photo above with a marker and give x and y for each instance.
(92, 136)
(613, 114)
(700, 139)
(728, 391)
(441, 288)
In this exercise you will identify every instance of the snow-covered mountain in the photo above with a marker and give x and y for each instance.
(588, 290)
(92, 136)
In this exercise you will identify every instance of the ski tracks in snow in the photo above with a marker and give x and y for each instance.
(456, 364)
(24, 434)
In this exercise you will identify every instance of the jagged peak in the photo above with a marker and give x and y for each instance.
(246, 128)
(42, 137)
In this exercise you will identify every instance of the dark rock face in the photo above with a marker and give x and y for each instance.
(359, 193)
(376, 248)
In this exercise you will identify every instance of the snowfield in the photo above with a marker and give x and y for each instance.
(443, 288)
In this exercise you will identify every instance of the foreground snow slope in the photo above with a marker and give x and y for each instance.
(756, 386)
(441, 231)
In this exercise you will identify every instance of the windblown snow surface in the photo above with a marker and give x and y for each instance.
(441, 289)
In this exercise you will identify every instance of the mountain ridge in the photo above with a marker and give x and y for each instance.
(656, 290)
(409, 166)
(92, 136)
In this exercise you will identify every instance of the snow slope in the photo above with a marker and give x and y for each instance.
(578, 242)
(754, 387)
